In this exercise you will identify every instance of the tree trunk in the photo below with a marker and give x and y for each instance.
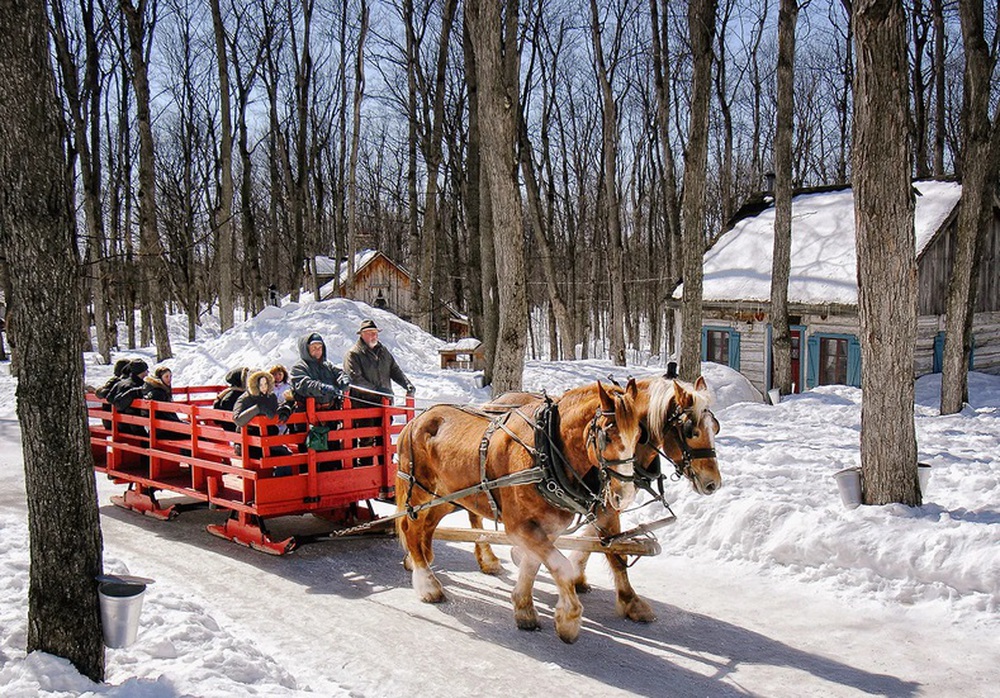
(781, 341)
(352, 173)
(701, 28)
(497, 64)
(976, 205)
(224, 262)
(883, 214)
(937, 8)
(609, 152)
(150, 248)
(36, 220)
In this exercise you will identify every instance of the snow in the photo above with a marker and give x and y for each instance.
(823, 257)
(768, 587)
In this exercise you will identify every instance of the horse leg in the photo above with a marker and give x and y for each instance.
(627, 602)
(569, 610)
(417, 535)
(579, 559)
(489, 563)
(524, 605)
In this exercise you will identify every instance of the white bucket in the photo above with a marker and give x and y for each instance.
(849, 483)
(121, 604)
(923, 475)
(774, 395)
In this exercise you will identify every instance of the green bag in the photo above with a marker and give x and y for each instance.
(318, 438)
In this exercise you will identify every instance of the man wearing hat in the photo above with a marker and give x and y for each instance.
(372, 367)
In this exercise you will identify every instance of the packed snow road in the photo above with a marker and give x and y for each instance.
(340, 618)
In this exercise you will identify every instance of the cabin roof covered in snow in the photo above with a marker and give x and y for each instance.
(823, 257)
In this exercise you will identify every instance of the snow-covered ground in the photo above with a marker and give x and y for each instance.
(768, 587)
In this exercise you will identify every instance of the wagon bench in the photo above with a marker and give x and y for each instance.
(199, 460)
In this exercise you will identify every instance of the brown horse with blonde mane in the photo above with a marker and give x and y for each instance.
(593, 440)
(677, 424)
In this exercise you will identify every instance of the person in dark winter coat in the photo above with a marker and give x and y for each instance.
(313, 376)
(259, 400)
(372, 368)
(120, 370)
(226, 400)
(128, 390)
(159, 387)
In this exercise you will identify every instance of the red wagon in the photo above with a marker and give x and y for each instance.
(186, 450)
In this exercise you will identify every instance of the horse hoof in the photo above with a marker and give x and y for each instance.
(569, 635)
(432, 597)
(638, 611)
(528, 624)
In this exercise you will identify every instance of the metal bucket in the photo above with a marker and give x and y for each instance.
(923, 475)
(774, 395)
(849, 483)
(121, 604)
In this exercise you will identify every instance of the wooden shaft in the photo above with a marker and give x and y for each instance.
(631, 546)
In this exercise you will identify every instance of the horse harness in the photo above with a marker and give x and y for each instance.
(557, 483)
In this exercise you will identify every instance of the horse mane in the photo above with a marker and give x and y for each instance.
(663, 402)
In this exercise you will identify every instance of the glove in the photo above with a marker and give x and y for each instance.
(284, 412)
(333, 393)
(343, 381)
(410, 390)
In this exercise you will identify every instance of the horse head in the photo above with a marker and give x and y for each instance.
(680, 427)
(612, 439)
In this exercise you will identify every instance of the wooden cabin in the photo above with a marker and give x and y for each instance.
(822, 289)
(464, 354)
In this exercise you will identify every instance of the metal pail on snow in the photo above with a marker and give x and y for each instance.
(774, 395)
(849, 483)
(121, 604)
(923, 475)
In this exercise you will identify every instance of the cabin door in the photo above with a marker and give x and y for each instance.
(796, 336)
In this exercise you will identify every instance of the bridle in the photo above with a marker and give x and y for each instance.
(682, 420)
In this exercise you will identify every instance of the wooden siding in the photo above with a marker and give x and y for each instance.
(382, 275)
(934, 269)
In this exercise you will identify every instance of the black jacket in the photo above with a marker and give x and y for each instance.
(374, 369)
(226, 400)
(253, 403)
(122, 395)
(317, 378)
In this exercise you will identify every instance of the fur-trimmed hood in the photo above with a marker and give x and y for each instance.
(254, 379)
(154, 382)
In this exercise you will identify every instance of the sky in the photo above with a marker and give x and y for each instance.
(770, 587)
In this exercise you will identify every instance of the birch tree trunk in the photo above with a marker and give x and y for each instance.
(37, 233)
(883, 214)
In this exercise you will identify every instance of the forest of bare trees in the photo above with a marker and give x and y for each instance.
(218, 147)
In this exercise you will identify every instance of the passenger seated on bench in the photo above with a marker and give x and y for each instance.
(314, 377)
(226, 400)
(120, 370)
(260, 400)
(159, 387)
(126, 391)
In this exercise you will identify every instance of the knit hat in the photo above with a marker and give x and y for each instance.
(121, 367)
(137, 366)
(367, 325)
(314, 337)
(238, 377)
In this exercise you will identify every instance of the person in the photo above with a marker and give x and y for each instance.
(159, 387)
(126, 391)
(372, 369)
(236, 380)
(260, 400)
(313, 376)
(283, 389)
(120, 369)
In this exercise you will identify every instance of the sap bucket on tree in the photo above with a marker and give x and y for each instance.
(121, 604)
(849, 483)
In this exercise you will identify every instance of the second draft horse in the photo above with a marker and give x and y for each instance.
(450, 449)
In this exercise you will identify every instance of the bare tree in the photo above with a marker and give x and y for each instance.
(980, 136)
(701, 29)
(883, 214)
(781, 341)
(37, 232)
(352, 176)
(497, 66)
(224, 262)
(140, 30)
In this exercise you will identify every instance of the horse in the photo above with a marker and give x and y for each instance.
(594, 435)
(678, 425)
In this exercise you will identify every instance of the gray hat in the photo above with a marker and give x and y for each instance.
(368, 325)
